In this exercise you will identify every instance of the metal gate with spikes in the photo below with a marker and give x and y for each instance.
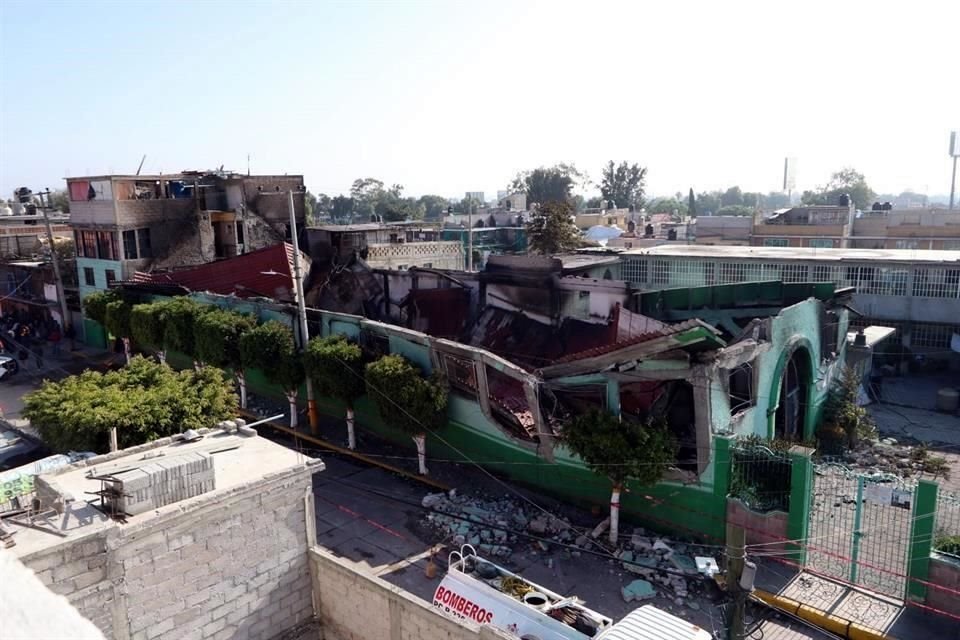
(860, 528)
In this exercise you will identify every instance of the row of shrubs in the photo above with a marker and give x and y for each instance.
(237, 342)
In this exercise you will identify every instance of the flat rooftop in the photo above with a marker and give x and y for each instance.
(585, 260)
(238, 460)
(718, 252)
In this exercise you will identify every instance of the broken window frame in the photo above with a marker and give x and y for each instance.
(460, 372)
(740, 388)
(130, 244)
(144, 245)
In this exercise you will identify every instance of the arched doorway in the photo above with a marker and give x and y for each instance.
(794, 396)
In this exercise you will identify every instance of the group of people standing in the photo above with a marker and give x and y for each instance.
(22, 335)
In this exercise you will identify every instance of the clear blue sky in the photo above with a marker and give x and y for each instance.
(446, 97)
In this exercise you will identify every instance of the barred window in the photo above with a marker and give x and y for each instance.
(794, 273)
(635, 270)
(825, 273)
(821, 243)
(776, 242)
(932, 336)
(936, 283)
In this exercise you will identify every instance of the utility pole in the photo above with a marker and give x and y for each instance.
(953, 182)
(470, 235)
(302, 308)
(735, 561)
(61, 297)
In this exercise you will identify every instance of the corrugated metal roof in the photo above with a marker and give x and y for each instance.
(649, 623)
(266, 272)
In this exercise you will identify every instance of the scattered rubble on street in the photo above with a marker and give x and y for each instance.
(502, 528)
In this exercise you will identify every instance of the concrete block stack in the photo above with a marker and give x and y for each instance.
(162, 481)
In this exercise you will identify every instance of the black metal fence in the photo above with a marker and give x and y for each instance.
(760, 476)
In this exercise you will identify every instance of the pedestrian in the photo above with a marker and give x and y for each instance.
(71, 335)
(54, 338)
(38, 354)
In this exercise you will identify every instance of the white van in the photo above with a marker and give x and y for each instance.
(486, 593)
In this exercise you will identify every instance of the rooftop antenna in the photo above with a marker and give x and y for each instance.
(248, 165)
(141, 164)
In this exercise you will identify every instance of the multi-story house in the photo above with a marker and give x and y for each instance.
(125, 224)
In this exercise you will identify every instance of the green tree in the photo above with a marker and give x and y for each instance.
(148, 326)
(843, 409)
(341, 208)
(667, 205)
(117, 321)
(624, 184)
(692, 204)
(95, 305)
(309, 206)
(708, 203)
(336, 367)
(547, 184)
(434, 207)
(408, 401)
(776, 200)
(736, 210)
(178, 334)
(270, 347)
(621, 450)
(217, 337)
(846, 181)
(60, 200)
(141, 402)
(731, 197)
(551, 229)
(366, 192)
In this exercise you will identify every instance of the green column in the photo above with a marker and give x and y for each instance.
(801, 492)
(921, 538)
(721, 467)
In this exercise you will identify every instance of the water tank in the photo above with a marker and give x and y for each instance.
(5, 209)
(876, 207)
(844, 200)
(887, 206)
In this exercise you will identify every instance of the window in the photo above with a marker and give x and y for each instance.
(89, 243)
(740, 382)
(88, 278)
(111, 277)
(428, 265)
(105, 245)
(794, 273)
(240, 239)
(130, 245)
(146, 249)
(932, 336)
(78, 244)
(776, 242)
(936, 283)
(824, 273)
(821, 243)
(907, 244)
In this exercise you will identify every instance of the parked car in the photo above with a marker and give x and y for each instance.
(9, 367)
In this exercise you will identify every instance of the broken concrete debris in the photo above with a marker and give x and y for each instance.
(493, 525)
(637, 590)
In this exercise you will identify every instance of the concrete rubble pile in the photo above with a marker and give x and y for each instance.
(655, 564)
(490, 524)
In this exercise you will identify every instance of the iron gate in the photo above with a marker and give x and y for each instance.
(860, 528)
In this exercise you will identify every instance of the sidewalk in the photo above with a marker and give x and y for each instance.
(874, 611)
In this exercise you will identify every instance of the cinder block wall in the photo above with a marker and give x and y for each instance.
(229, 565)
(353, 605)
